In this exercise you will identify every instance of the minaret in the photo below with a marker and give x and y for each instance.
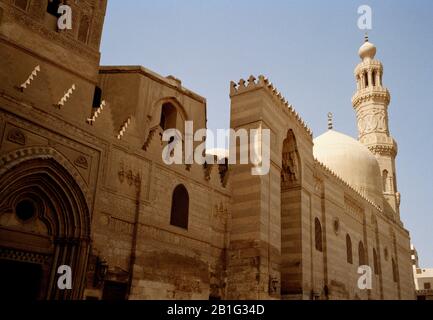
(371, 102)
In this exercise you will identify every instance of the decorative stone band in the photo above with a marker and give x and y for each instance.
(336, 176)
(253, 84)
(30, 257)
(384, 150)
(371, 93)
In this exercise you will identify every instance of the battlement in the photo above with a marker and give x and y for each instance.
(263, 83)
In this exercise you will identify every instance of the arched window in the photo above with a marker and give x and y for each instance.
(349, 249)
(318, 235)
(375, 262)
(373, 78)
(394, 270)
(385, 180)
(168, 117)
(180, 207)
(361, 254)
(365, 79)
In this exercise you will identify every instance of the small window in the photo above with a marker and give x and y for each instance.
(97, 98)
(349, 249)
(365, 79)
(427, 285)
(25, 210)
(375, 262)
(53, 7)
(385, 180)
(22, 4)
(394, 270)
(180, 207)
(373, 78)
(318, 235)
(361, 254)
(168, 118)
(385, 251)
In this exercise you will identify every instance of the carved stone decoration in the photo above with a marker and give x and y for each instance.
(137, 180)
(290, 165)
(82, 162)
(129, 177)
(374, 120)
(17, 136)
(207, 170)
(274, 285)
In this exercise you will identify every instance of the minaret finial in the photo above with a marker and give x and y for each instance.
(366, 37)
(330, 121)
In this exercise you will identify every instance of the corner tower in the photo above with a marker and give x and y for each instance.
(371, 102)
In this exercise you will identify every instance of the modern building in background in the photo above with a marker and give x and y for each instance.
(83, 182)
(423, 278)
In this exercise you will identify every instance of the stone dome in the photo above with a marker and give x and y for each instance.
(367, 50)
(351, 161)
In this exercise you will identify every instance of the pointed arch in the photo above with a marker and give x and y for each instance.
(361, 254)
(155, 112)
(61, 206)
(375, 262)
(180, 207)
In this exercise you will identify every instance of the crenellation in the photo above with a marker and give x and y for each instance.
(263, 82)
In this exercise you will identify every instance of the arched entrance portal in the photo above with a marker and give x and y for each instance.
(44, 224)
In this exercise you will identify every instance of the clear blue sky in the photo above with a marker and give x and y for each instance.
(308, 49)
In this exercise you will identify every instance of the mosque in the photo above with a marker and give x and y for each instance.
(83, 183)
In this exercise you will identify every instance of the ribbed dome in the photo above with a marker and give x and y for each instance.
(351, 161)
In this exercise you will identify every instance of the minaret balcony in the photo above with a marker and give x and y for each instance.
(376, 94)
